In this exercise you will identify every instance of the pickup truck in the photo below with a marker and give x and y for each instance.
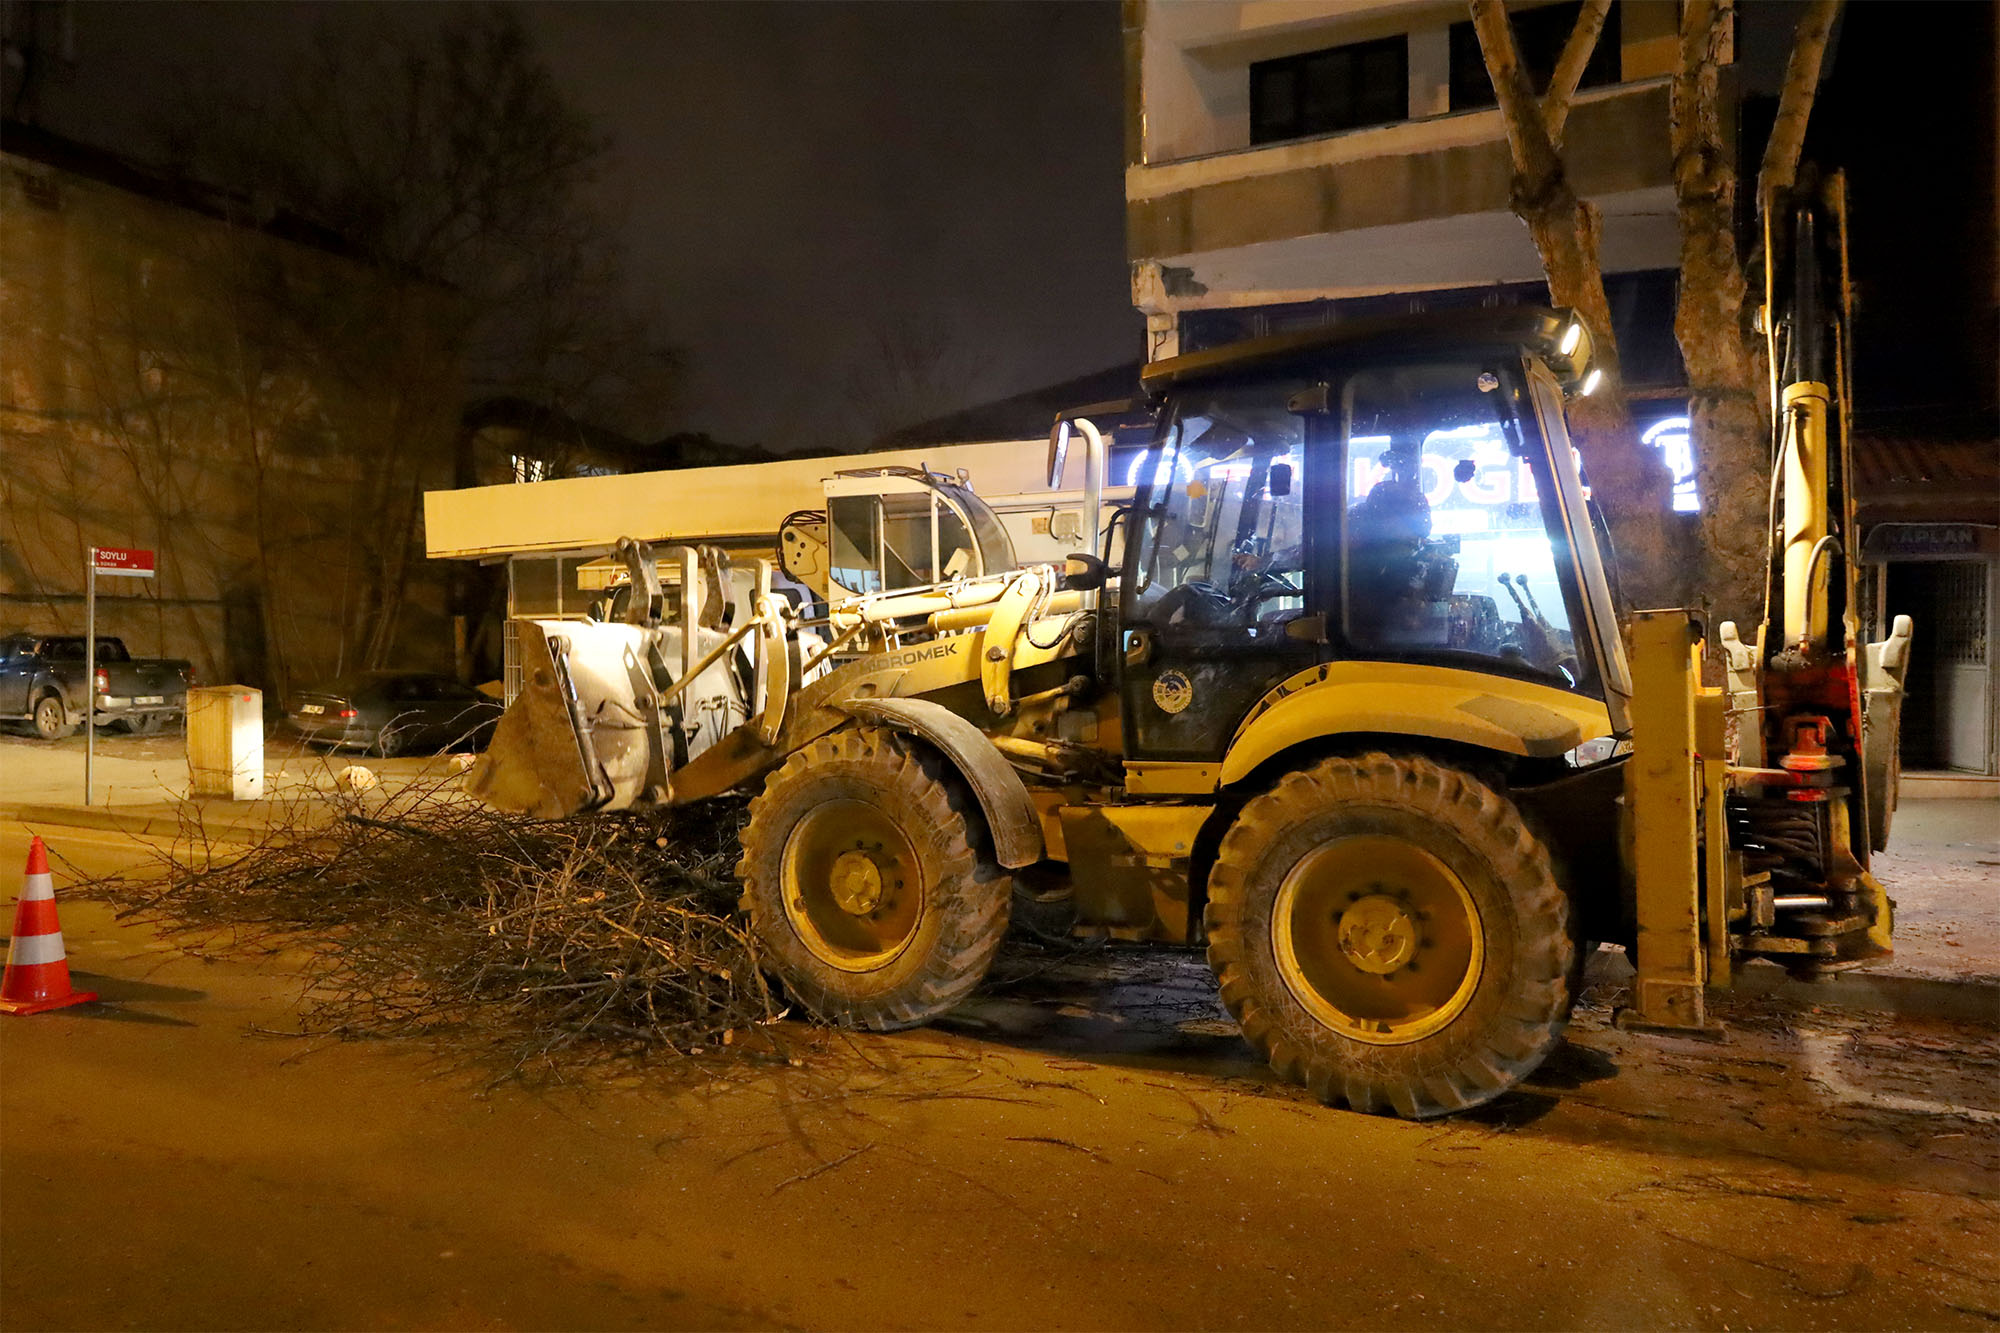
(41, 683)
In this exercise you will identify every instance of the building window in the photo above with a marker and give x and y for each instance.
(1539, 35)
(1340, 88)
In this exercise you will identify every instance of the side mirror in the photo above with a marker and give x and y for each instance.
(1083, 573)
(1315, 398)
(1058, 452)
(1280, 481)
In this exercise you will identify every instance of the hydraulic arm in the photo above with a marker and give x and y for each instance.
(1776, 842)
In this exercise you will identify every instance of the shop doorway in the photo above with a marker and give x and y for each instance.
(1948, 718)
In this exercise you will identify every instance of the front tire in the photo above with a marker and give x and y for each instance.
(1389, 932)
(868, 884)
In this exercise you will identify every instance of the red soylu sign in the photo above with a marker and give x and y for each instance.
(114, 560)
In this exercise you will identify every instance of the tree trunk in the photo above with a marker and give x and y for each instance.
(1728, 411)
(1627, 479)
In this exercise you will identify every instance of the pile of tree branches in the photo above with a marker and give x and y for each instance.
(428, 915)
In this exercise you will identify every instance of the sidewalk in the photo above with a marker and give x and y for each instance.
(141, 784)
(1942, 869)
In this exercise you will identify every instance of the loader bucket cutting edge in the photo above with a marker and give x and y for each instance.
(534, 763)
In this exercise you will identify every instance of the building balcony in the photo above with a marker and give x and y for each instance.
(1411, 205)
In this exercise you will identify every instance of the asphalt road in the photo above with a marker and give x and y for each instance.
(1087, 1145)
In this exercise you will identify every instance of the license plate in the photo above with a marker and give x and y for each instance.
(312, 708)
(150, 699)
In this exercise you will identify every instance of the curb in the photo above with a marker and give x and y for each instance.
(1972, 999)
(1968, 999)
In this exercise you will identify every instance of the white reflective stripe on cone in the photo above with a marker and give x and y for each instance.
(37, 887)
(33, 950)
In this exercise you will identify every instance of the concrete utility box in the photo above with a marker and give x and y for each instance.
(225, 737)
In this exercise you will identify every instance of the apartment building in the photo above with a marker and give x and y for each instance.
(1283, 154)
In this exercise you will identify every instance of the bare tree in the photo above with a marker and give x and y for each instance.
(911, 369)
(1723, 355)
(1628, 479)
(1728, 408)
(447, 162)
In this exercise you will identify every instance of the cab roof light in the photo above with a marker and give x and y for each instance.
(1572, 335)
(1591, 381)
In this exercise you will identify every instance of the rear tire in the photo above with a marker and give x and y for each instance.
(51, 719)
(867, 882)
(1389, 932)
(390, 742)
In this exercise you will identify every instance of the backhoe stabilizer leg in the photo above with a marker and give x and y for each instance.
(1664, 789)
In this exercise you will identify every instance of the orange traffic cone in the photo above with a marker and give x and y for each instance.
(37, 967)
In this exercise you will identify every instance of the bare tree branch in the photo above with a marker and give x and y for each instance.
(1788, 134)
(1694, 126)
(1576, 54)
(1528, 139)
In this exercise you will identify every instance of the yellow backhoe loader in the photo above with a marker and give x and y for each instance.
(1342, 694)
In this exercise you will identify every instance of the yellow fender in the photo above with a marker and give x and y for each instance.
(1516, 717)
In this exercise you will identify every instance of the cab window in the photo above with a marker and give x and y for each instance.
(856, 526)
(904, 539)
(1447, 522)
(1223, 551)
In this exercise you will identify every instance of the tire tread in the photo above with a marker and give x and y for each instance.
(1416, 1083)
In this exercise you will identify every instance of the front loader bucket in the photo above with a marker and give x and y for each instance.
(587, 730)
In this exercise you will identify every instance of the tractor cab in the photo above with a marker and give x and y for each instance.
(888, 529)
(1378, 511)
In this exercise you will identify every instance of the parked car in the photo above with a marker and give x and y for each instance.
(394, 712)
(41, 683)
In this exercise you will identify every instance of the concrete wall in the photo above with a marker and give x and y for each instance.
(144, 402)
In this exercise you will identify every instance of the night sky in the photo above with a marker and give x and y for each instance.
(798, 179)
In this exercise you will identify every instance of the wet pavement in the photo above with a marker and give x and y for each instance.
(1086, 1144)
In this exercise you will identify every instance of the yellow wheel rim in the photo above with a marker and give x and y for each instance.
(1378, 939)
(853, 885)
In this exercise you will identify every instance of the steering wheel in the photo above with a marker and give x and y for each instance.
(1196, 603)
(1265, 587)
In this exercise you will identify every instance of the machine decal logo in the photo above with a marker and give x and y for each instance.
(911, 656)
(1172, 691)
